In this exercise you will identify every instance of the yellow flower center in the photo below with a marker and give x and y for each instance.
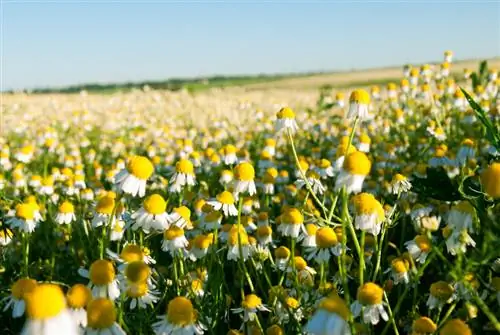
(285, 113)
(360, 97)
(465, 207)
(173, 232)
(264, 231)
(370, 294)
(311, 229)
(366, 204)
(357, 163)
(140, 166)
(137, 289)
(490, 179)
(292, 303)
(137, 271)
(22, 287)
(105, 205)
(337, 305)
(275, 330)
(225, 198)
(233, 236)
(184, 212)
(423, 243)
(282, 252)
(245, 172)
(45, 302)
(398, 178)
(300, 263)
(102, 272)
(180, 312)
(455, 327)
(25, 211)
(251, 301)
(131, 253)
(101, 313)
(155, 204)
(424, 325)
(66, 207)
(184, 166)
(442, 290)
(326, 237)
(78, 296)
(399, 265)
(204, 241)
(293, 216)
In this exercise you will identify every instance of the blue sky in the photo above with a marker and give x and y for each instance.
(71, 42)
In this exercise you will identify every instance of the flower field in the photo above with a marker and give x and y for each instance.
(338, 211)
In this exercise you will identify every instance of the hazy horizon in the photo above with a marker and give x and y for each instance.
(58, 44)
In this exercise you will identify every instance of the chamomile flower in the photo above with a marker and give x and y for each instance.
(24, 218)
(181, 217)
(103, 282)
(354, 170)
(238, 239)
(66, 213)
(399, 184)
(101, 318)
(5, 236)
(285, 120)
(423, 326)
(250, 306)
(224, 201)
(331, 318)
(130, 253)
(226, 177)
(292, 223)
(47, 186)
(457, 240)
(399, 270)
(245, 174)
(359, 104)
(455, 327)
(183, 176)
(327, 245)
(313, 179)
(419, 248)
(104, 210)
(152, 215)
(229, 154)
(200, 245)
(47, 312)
(264, 235)
(17, 299)
(369, 300)
(369, 213)
(461, 216)
(282, 257)
(174, 240)
(78, 297)
(490, 180)
(180, 319)
(440, 293)
(132, 179)
(141, 294)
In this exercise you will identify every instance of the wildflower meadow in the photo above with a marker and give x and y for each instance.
(357, 210)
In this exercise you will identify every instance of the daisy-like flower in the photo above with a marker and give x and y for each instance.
(364, 143)
(355, 168)
(87, 194)
(448, 56)
(200, 245)
(245, 175)
(369, 213)
(78, 297)
(305, 273)
(359, 104)
(308, 238)
(181, 319)
(264, 235)
(101, 318)
(47, 186)
(419, 248)
(174, 240)
(130, 253)
(282, 257)
(399, 184)
(132, 179)
(141, 294)
(289, 307)
(399, 270)
(270, 146)
(461, 216)
(238, 239)
(183, 176)
(24, 218)
(211, 220)
(326, 245)
(104, 210)
(313, 178)
(224, 201)
(226, 177)
(324, 168)
(229, 154)
(292, 223)
(25, 154)
(285, 120)
(181, 217)
(35, 181)
(440, 293)
(103, 282)
(47, 312)
(5, 236)
(490, 180)
(66, 213)
(455, 327)
(369, 300)
(466, 152)
(457, 240)
(152, 215)
(330, 318)
(250, 306)
(17, 299)
(423, 326)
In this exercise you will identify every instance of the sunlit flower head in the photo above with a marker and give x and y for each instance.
(359, 104)
(133, 178)
(285, 120)
(369, 300)
(180, 319)
(354, 170)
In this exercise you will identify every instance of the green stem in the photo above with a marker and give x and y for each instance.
(391, 316)
(362, 259)
(240, 248)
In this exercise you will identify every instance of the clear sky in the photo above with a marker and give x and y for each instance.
(69, 42)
